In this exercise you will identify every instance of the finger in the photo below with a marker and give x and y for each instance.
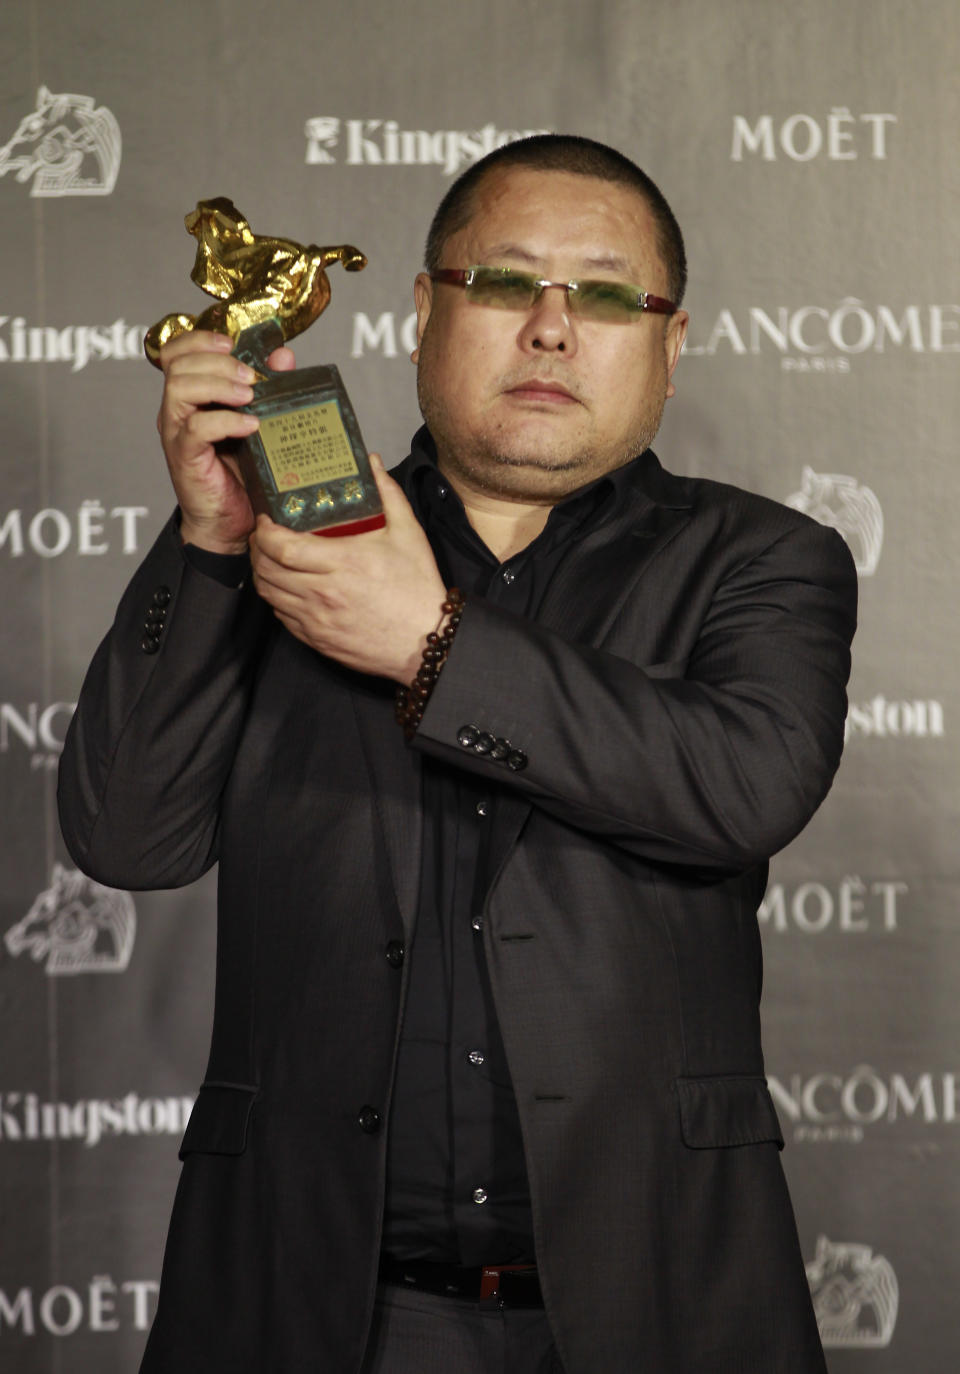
(207, 427)
(286, 590)
(282, 360)
(266, 545)
(292, 550)
(194, 341)
(264, 565)
(206, 388)
(206, 360)
(269, 583)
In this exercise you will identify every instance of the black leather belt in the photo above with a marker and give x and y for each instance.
(504, 1285)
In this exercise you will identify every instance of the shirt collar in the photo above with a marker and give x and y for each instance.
(598, 498)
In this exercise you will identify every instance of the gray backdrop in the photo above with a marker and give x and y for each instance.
(810, 154)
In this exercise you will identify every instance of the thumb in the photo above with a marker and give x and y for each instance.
(282, 360)
(396, 507)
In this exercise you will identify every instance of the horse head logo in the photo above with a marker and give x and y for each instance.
(850, 509)
(77, 925)
(855, 1294)
(322, 133)
(67, 146)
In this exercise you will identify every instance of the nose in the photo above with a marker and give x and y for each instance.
(548, 326)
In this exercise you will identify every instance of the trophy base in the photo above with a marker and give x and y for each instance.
(306, 466)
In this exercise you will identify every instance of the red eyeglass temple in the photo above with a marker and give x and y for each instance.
(457, 276)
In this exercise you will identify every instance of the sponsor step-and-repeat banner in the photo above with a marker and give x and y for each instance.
(810, 157)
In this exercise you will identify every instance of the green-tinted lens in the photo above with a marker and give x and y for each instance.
(612, 301)
(502, 287)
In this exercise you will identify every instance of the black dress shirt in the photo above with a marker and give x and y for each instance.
(457, 1189)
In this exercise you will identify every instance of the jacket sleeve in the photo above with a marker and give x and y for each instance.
(157, 723)
(719, 764)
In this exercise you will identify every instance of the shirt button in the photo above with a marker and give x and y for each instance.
(369, 1120)
(508, 575)
(479, 1195)
(483, 808)
(477, 923)
(476, 1058)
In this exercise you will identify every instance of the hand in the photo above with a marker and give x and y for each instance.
(366, 600)
(201, 381)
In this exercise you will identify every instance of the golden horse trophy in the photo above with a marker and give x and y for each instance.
(306, 466)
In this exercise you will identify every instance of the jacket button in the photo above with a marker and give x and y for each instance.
(161, 596)
(483, 743)
(468, 735)
(369, 1120)
(149, 645)
(500, 750)
(517, 760)
(395, 952)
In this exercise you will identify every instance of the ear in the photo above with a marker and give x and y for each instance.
(423, 300)
(676, 332)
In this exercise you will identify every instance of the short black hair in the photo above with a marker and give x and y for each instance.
(562, 153)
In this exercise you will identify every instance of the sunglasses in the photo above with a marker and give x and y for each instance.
(614, 302)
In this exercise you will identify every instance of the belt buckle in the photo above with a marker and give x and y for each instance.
(490, 1282)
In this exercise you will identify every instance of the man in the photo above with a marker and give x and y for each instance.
(488, 996)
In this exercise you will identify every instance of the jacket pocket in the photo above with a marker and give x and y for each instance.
(219, 1120)
(729, 1109)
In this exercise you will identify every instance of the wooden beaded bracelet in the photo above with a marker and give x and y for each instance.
(412, 700)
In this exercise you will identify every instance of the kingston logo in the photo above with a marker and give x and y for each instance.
(381, 142)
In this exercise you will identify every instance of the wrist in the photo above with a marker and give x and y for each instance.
(202, 536)
(411, 701)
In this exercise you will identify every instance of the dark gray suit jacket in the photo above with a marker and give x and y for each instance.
(681, 702)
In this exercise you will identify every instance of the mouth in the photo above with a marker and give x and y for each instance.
(542, 390)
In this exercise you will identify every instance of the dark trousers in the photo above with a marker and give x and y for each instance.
(420, 1333)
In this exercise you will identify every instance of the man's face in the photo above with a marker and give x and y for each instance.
(531, 405)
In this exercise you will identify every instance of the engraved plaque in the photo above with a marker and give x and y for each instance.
(307, 445)
(306, 467)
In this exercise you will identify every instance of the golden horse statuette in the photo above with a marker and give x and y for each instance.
(306, 466)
